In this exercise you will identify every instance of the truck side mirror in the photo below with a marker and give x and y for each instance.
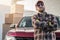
(12, 26)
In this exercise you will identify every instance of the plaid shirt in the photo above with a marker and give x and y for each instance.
(46, 23)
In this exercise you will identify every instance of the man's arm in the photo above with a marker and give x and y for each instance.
(55, 23)
(33, 21)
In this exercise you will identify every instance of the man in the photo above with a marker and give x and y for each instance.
(44, 24)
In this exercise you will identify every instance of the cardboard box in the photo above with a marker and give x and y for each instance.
(6, 15)
(18, 15)
(6, 28)
(13, 18)
(9, 19)
(17, 8)
(16, 20)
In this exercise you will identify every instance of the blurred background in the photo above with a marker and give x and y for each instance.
(52, 6)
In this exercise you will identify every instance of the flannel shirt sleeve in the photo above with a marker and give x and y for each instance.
(33, 20)
(55, 23)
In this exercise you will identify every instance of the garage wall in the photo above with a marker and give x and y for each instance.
(52, 6)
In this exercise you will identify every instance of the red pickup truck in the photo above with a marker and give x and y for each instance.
(25, 31)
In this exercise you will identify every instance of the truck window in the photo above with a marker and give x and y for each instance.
(58, 20)
(26, 22)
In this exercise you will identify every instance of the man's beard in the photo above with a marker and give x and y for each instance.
(42, 10)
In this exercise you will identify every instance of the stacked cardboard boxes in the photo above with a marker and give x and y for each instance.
(10, 19)
(13, 17)
(16, 8)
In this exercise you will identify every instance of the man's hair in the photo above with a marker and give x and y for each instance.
(40, 3)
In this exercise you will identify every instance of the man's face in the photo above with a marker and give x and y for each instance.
(40, 7)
